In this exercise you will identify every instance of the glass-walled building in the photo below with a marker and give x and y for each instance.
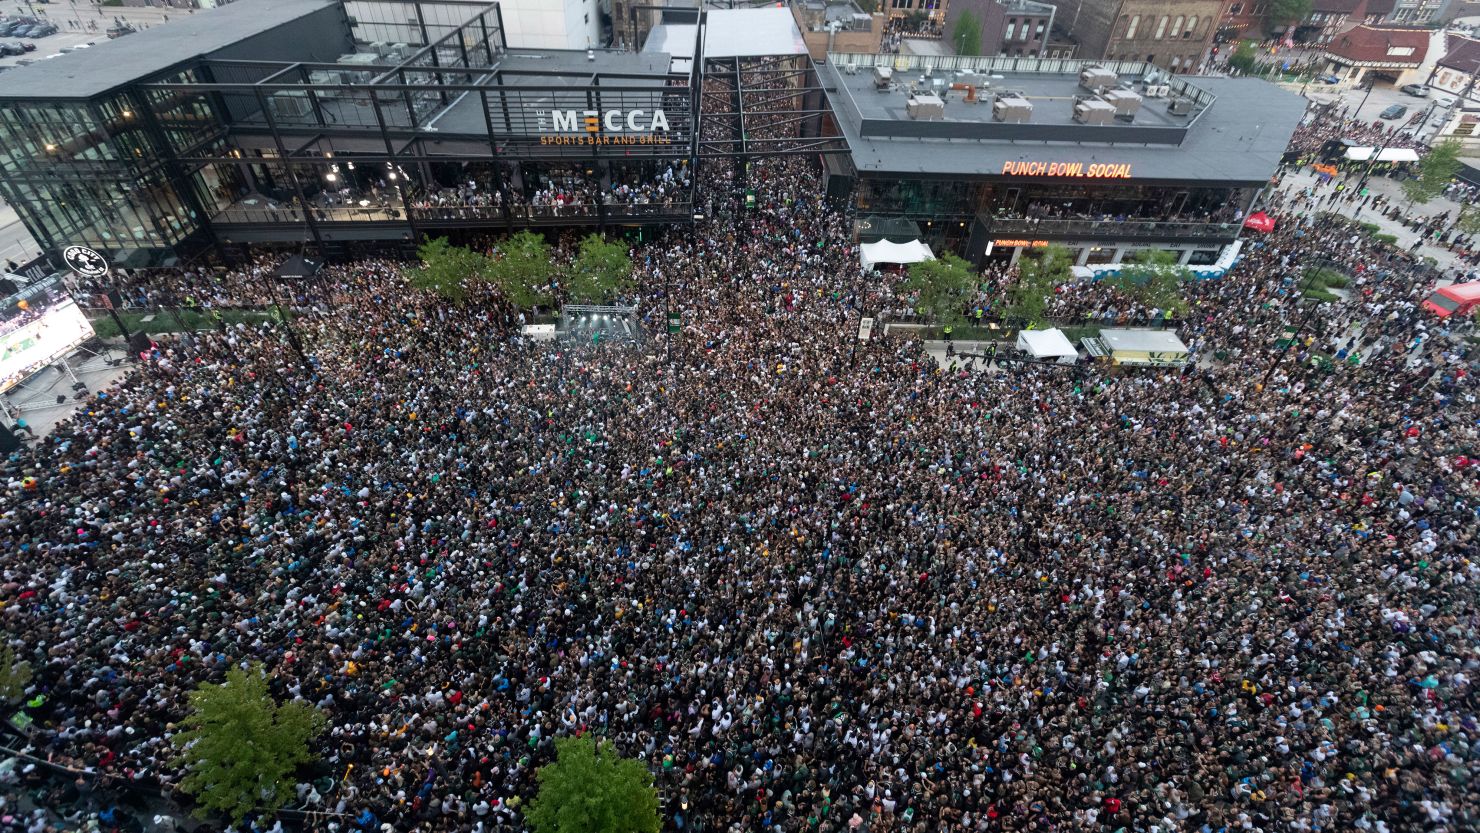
(341, 125)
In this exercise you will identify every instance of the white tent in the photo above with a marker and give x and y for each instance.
(1079, 272)
(1050, 345)
(1385, 155)
(886, 252)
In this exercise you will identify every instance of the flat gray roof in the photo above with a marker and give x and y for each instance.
(732, 33)
(1239, 137)
(115, 63)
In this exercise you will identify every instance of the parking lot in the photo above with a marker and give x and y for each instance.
(73, 21)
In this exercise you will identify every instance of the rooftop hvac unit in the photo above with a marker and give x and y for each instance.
(380, 47)
(1180, 107)
(1093, 111)
(850, 69)
(1126, 102)
(290, 104)
(359, 59)
(1012, 108)
(1158, 90)
(1096, 78)
(926, 106)
(883, 78)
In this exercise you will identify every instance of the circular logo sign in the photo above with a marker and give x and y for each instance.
(85, 261)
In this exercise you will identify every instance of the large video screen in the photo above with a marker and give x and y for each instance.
(38, 325)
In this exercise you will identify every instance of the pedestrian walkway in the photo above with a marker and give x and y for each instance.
(1448, 262)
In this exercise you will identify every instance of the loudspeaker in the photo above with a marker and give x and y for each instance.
(8, 440)
(139, 342)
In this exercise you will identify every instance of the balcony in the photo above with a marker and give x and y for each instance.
(1030, 228)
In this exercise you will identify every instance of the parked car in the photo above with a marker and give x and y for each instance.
(46, 30)
(28, 46)
(1329, 79)
(1415, 90)
(1397, 111)
(119, 30)
(11, 49)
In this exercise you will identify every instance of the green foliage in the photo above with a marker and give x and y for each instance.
(447, 270)
(591, 789)
(1321, 294)
(1370, 228)
(1027, 300)
(1154, 279)
(966, 35)
(1468, 220)
(1435, 170)
(14, 676)
(1286, 12)
(1391, 239)
(945, 286)
(522, 269)
(601, 270)
(1243, 57)
(1330, 278)
(868, 6)
(241, 747)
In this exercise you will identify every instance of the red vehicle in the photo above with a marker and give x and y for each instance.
(1457, 299)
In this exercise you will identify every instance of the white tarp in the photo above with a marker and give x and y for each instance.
(1387, 154)
(886, 252)
(1047, 344)
(1081, 272)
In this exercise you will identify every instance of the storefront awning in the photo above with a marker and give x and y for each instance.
(297, 268)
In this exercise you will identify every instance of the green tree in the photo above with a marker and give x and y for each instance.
(1468, 220)
(1154, 279)
(1435, 171)
(915, 21)
(522, 269)
(447, 270)
(241, 747)
(1285, 13)
(1243, 58)
(14, 676)
(945, 286)
(867, 6)
(1027, 300)
(591, 789)
(601, 269)
(966, 35)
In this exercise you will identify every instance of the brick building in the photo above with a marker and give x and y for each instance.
(837, 26)
(1017, 28)
(1172, 34)
(1389, 54)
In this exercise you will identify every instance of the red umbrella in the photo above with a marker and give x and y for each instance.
(1259, 221)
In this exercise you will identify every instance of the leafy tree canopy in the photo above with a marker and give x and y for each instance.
(966, 35)
(1435, 170)
(1243, 58)
(447, 270)
(1027, 300)
(1153, 278)
(591, 789)
(14, 676)
(522, 269)
(602, 270)
(240, 747)
(1286, 12)
(945, 286)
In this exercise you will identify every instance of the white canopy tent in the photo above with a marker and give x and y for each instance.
(1386, 155)
(1048, 345)
(886, 252)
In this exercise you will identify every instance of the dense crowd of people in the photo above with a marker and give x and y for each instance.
(814, 584)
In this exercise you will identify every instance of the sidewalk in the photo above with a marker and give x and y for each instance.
(1449, 263)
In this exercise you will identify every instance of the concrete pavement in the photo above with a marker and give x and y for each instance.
(74, 18)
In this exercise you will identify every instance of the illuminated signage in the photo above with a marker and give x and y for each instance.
(1080, 170)
(610, 127)
(1031, 244)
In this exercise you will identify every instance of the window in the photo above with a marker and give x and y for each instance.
(1191, 30)
(1176, 27)
(1176, 62)
(1010, 28)
(1024, 34)
(1236, 8)
(1038, 32)
(1161, 28)
(1130, 31)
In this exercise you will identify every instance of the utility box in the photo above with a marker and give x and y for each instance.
(1013, 109)
(1094, 111)
(1096, 78)
(926, 106)
(1126, 102)
(883, 78)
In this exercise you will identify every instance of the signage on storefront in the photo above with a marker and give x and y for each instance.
(610, 127)
(1030, 244)
(1078, 170)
